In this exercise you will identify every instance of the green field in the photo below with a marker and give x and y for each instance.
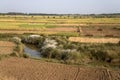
(30, 22)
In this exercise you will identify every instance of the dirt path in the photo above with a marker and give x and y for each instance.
(28, 69)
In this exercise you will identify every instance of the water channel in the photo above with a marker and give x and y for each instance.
(32, 51)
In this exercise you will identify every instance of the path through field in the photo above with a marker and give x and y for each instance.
(29, 69)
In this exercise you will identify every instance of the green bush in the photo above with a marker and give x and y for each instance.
(47, 52)
(60, 55)
(100, 55)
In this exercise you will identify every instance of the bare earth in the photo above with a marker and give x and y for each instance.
(29, 69)
(6, 47)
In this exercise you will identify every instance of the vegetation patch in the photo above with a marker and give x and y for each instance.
(61, 49)
(36, 26)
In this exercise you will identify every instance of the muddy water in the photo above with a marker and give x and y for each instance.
(32, 51)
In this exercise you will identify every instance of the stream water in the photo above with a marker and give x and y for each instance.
(32, 51)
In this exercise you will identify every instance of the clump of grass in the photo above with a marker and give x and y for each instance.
(2, 56)
(24, 55)
(100, 55)
(67, 34)
(117, 28)
(19, 48)
(15, 54)
(119, 43)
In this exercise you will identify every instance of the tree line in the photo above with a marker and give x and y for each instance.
(112, 15)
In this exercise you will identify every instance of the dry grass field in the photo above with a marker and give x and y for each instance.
(28, 69)
(6, 47)
(94, 40)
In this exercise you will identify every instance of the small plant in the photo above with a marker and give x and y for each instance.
(19, 48)
(15, 54)
(119, 43)
(99, 29)
(109, 35)
(89, 35)
(25, 55)
(3, 56)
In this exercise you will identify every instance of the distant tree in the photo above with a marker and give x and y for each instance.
(53, 17)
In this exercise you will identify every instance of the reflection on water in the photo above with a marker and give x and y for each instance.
(31, 51)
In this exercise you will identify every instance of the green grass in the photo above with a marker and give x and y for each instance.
(67, 34)
(42, 21)
(36, 26)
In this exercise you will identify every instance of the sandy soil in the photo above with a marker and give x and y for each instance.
(94, 40)
(6, 47)
(29, 69)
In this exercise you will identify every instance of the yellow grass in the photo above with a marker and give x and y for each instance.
(94, 40)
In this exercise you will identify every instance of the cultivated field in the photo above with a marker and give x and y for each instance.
(62, 33)
(94, 40)
(6, 47)
(28, 69)
(50, 25)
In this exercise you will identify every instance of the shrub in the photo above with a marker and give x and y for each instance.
(41, 42)
(100, 55)
(110, 35)
(15, 54)
(70, 46)
(89, 35)
(19, 48)
(117, 28)
(47, 52)
(81, 48)
(61, 40)
(3, 56)
(99, 29)
(56, 54)
(25, 55)
(119, 43)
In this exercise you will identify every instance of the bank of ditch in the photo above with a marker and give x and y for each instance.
(62, 50)
(59, 49)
